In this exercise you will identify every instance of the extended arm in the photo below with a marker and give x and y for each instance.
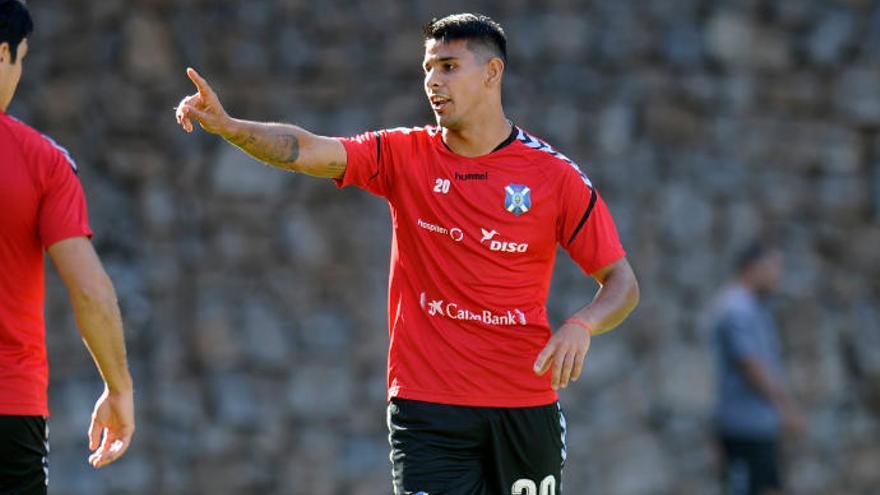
(280, 145)
(100, 325)
(566, 350)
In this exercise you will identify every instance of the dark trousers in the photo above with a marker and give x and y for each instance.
(749, 466)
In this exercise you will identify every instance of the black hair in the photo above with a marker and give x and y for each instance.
(753, 253)
(15, 24)
(475, 28)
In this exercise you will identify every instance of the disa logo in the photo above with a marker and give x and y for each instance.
(502, 246)
(508, 247)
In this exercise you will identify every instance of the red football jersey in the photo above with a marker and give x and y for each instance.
(474, 241)
(41, 203)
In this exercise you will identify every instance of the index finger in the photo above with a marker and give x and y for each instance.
(578, 366)
(545, 358)
(199, 81)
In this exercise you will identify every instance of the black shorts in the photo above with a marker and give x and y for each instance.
(750, 467)
(438, 449)
(24, 447)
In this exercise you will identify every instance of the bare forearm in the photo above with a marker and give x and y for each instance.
(275, 144)
(100, 325)
(614, 301)
(285, 146)
(756, 375)
(94, 303)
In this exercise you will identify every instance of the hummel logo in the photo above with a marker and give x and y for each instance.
(487, 235)
(472, 176)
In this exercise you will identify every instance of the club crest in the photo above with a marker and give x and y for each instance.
(517, 199)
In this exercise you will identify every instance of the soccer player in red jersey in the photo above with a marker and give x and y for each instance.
(42, 206)
(478, 207)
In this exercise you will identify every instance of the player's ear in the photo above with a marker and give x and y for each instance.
(494, 70)
(5, 53)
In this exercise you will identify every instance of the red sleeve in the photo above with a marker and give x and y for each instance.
(63, 212)
(586, 229)
(372, 158)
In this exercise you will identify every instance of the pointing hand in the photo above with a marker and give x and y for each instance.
(204, 107)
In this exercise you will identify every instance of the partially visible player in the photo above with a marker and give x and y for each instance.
(42, 207)
(754, 406)
(479, 207)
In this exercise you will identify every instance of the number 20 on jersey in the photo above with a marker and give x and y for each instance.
(441, 186)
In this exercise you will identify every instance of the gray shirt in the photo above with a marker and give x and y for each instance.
(743, 328)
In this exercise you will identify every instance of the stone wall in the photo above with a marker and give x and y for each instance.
(254, 300)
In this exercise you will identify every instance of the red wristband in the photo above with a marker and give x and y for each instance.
(581, 324)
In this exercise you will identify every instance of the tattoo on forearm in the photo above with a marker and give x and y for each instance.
(288, 148)
(242, 141)
(278, 147)
(334, 169)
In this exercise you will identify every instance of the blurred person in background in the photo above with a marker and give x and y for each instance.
(42, 207)
(478, 208)
(754, 407)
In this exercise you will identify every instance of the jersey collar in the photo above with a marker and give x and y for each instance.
(514, 132)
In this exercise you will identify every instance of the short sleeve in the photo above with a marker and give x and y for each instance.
(63, 213)
(586, 229)
(372, 158)
(738, 335)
